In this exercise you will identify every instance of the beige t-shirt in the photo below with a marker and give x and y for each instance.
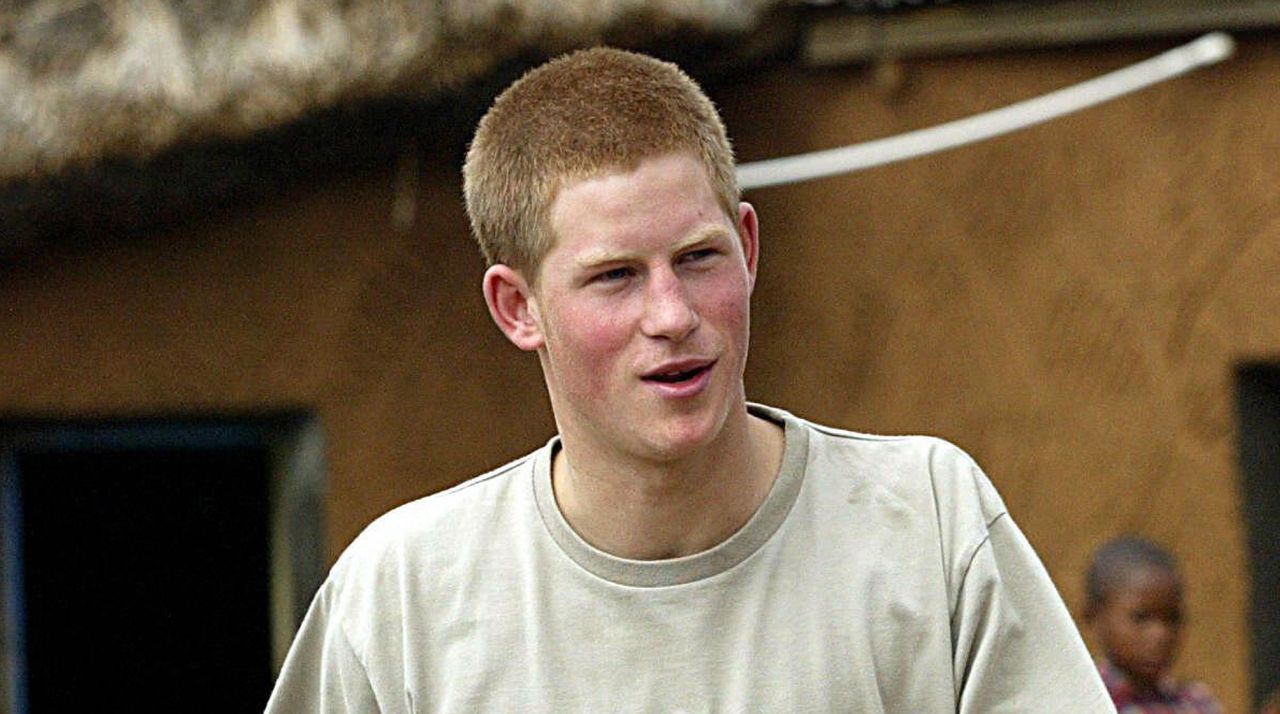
(881, 574)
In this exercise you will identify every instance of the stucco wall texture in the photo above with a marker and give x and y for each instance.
(1067, 303)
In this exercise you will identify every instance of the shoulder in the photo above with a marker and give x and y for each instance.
(429, 532)
(912, 466)
(916, 489)
(480, 493)
(921, 504)
(418, 552)
(1199, 694)
(913, 452)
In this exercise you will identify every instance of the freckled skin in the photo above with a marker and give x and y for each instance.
(646, 269)
(1140, 626)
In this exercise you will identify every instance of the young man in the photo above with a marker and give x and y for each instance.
(674, 548)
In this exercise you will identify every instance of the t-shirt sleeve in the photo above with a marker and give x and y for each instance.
(1016, 647)
(322, 673)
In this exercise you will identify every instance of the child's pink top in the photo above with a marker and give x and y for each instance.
(1170, 697)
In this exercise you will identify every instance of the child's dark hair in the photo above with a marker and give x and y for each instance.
(1115, 560)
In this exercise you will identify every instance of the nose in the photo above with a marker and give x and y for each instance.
(1162, 638)
(669, 313)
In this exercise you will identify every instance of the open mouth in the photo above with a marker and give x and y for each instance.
(679, 376)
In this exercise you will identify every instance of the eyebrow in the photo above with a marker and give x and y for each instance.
(603, 257)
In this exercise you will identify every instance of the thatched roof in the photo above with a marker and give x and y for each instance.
(82, 81)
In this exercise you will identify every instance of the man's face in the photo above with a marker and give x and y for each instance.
(1140, 626)
(643, 308)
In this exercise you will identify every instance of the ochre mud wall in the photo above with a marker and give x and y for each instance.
(1066, 303)
(312, 301)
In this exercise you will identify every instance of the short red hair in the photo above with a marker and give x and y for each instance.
(583, 114)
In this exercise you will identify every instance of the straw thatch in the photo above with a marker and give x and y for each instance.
(87, 80)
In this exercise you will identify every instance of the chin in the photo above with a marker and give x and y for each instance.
(686, 435)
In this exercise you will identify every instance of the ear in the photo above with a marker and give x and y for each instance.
(749, 234)
(513, 306)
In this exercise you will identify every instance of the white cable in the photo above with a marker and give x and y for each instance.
(1209, 49)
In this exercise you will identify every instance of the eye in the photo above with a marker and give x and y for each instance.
(697, 255)
(612, 275)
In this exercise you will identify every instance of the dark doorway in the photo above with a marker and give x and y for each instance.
(141, 562)
(1258, 406)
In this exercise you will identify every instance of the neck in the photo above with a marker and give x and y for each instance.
(1141, 686)
(645, 510)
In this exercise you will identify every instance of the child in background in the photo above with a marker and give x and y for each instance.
(1134, 605)
(1272, 705)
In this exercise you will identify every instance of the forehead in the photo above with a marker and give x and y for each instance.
(679, 170)
(1148, 586)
